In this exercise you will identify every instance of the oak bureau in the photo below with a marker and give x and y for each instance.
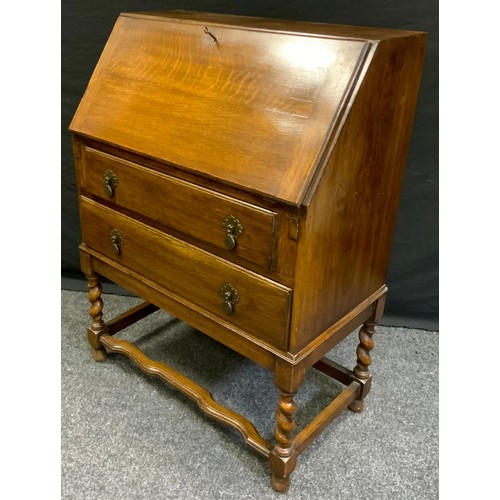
(244, 175)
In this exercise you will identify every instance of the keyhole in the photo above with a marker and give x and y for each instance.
(207, 31)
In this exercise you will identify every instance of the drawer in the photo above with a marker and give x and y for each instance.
(192, 210)
(190, 272)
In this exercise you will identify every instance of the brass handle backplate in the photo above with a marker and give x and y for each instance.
(110, 183)
(230, 297)
(233, 229)
(116, 241)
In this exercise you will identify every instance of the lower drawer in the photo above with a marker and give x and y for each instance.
(250, 302)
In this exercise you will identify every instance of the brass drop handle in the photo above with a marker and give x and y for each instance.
(110, 183)
(230, 297)
(233, 229)
(116, 241)
(230, 238)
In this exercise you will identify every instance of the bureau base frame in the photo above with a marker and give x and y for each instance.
(282, 455)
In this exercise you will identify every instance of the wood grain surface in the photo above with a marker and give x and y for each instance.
(191, 272)
(346, 239)
(184, 207)
(252, 108)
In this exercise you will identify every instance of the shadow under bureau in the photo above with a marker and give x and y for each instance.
(244, 175)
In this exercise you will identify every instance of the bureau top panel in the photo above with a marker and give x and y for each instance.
(250, 107)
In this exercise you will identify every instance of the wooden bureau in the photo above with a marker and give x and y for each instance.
(244, 175)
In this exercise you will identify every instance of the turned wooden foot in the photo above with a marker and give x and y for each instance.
(97, 325)
(99, 355)
(361, 370)
(283, 457)
(280, 484)
(357, 406)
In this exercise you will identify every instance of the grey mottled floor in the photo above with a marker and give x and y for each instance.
(128, 436)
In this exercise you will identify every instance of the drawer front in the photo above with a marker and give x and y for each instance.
(262, 308)
(184, 207)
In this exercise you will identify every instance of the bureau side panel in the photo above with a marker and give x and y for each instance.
(346, 234)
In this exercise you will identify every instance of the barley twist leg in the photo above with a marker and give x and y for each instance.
(97, 325)
(361, 370)
(283, 457)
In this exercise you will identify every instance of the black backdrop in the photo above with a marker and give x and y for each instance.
(413, 271)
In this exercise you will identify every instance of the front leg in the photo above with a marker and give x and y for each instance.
(97, 326)
(283, 457)
(361, 370)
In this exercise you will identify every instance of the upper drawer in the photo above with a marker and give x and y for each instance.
(240, 228)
